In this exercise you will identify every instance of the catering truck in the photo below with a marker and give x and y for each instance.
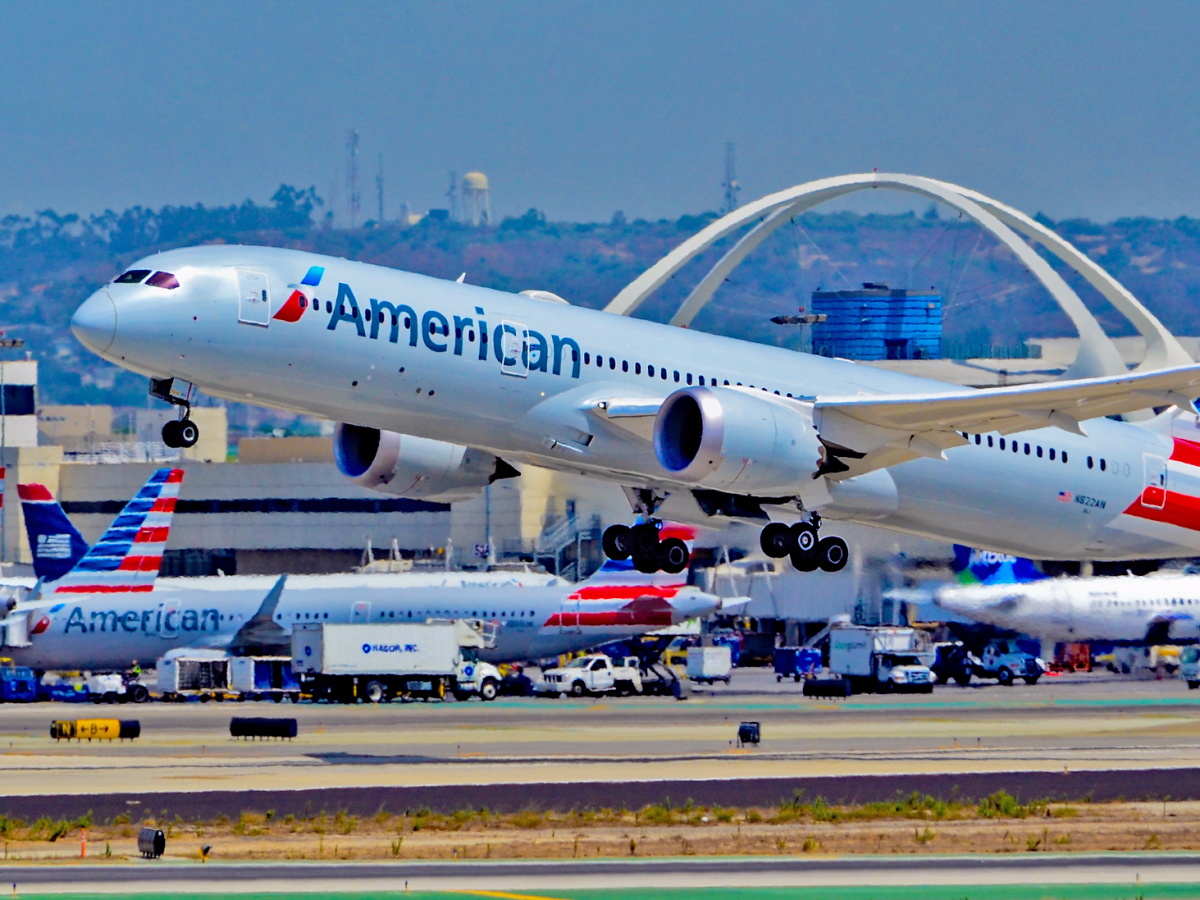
(382, 662)
(881, 658)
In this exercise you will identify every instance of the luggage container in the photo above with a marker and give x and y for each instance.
(181, 677)
(264, 677)
(708, 664)
(796, 662)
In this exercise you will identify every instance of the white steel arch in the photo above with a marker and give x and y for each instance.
(1097, 354)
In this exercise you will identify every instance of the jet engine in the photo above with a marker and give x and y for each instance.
(735, 441)
(414, 467)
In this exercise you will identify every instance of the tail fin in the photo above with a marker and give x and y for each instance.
(986, 567)
(56, 544)
(127, 558)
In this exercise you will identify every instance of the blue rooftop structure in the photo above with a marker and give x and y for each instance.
(877, 322)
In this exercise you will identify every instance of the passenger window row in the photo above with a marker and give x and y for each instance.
(1015, 446)
(663, 373)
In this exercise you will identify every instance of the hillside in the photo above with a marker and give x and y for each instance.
(52, 262)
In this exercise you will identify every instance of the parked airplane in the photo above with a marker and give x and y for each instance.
(694, 426)
(102, 633)
(1129, 609)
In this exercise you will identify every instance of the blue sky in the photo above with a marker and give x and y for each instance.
(583, 108)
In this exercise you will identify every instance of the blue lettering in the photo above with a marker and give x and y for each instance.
(428, 331)
(461, 323)
(559, 345)
(537, 353)
(502, 329)
(75, 619)
(190, 621)
(106, 617)
(129, 620)
(395, 310)
(483, 338)
(345, 294)
(207, 616)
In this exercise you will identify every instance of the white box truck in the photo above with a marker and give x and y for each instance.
(708, 664)
(376, 663)
(881, 658)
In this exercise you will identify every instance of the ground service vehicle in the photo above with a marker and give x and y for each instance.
(17, 684)
(596, 674)
(953, 662)
(881, 658)
(708, 664)
(378, 662)
(1003, 660)
(180, 677)
(1189, 666)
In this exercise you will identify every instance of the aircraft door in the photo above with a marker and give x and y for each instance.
(513, 347)
(170, 620)
(360, 612)
(568, 617)
(1154, 494)
(254, 298)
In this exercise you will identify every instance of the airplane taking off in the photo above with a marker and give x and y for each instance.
(1126, 609)
(444, 387)
(106, 633)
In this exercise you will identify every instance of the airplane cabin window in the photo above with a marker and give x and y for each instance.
(1026, 449)
(989, 440)
(624, 365)
(1089, 462)
(978, 440)
(701, 381)
(133, 276)
(1051, 454)
(663, 373)
(1002, 447)
(1103, 465)
(650, 371)
(637, 368)
(726, 382)
(599, 362)
(169, 282)
(612, 362)
(587, 359)
(1039, 452)
(689, 377)
(1064, 456)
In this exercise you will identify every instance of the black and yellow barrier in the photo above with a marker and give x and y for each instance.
(95, 729)
(262, 728)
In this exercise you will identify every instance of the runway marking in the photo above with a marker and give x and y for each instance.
(508, 896)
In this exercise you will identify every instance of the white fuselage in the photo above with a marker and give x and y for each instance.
(405, 353)
(1125, 609)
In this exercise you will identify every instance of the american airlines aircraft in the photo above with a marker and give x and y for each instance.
(444, 387)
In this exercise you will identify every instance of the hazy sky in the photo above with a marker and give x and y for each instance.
(582, 108)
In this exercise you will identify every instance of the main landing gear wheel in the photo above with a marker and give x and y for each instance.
(804, 562)
(617, 542)
(673, 555)
(804, 537)
(182, 433)
(776, 540)
(832, 554)
(645, 548)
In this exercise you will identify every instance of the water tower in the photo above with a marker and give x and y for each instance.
(476, 205)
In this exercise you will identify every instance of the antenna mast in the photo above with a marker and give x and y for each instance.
(730, 184)
(452, 196)
(352, 178)
(379, 189)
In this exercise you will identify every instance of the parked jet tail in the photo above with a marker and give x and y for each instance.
(56, 544)
(985, 567)
(127, 558)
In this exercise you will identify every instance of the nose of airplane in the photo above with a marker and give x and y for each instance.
(95, 322)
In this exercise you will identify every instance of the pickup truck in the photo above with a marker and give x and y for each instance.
(1006, 662)
(596, 674)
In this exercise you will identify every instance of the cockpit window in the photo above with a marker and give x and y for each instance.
(163, 280)
(133, 276)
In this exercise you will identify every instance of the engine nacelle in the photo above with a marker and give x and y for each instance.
(732, 440)
(414, 467)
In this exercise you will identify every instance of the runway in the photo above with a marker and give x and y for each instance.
(1064, 737)
(1087, 874)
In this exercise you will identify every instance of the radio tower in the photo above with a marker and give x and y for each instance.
(379, 189)
(352, 178)
(730, 184)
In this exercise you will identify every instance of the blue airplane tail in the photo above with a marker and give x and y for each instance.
(55, 543)
(973, 566)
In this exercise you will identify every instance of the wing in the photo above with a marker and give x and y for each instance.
(869, 432)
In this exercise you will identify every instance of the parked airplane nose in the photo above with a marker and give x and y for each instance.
(95, 322)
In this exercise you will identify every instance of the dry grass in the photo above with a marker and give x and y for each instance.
(907, 825)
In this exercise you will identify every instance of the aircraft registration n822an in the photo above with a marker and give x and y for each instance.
(444, 387)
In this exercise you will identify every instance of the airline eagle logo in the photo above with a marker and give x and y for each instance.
(298, 301)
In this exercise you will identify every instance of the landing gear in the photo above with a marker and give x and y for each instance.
(183, 431)
(802, 542)
(642, 544)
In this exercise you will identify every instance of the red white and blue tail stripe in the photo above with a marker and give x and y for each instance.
(127, 558)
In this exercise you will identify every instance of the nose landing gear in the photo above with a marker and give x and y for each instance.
(183, 431)
(802, 542)
(649, 554)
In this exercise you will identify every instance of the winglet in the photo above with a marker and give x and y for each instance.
(262, 632)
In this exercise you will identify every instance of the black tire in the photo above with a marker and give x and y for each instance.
(804, 562)
(643, 539)
(804, 538)
(776, 540)
(375, 692)
(647, 564)
(111, 697)
(579, 689)
(188, 433)
(97, 699)
(488, 690)
(673, 556)
(1032, 679)
(462, 696)
(278, 698)
(963, 678)
(832, 554)
(617, 542)
(139, 693)
(1192, 685)
(1005, 676)
(171, 436)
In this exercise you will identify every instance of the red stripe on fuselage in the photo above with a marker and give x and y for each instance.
(625, 591)
(104, 589)
(1182, 510)
(610, 618)
(1186, 452)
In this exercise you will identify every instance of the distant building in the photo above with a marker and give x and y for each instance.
(877, 322)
